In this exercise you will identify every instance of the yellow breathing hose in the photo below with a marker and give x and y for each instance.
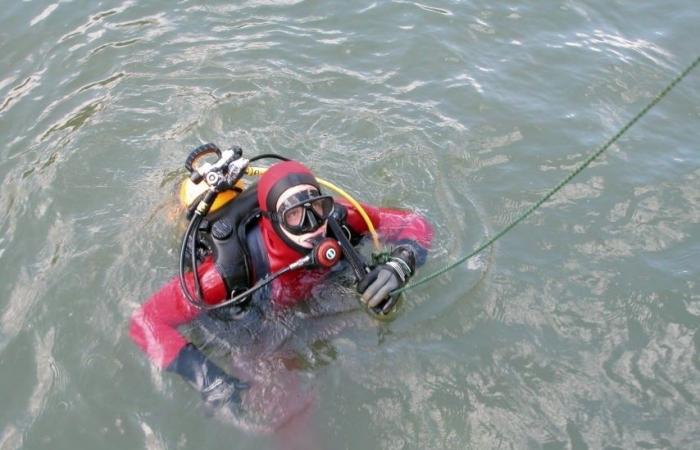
(252, 171)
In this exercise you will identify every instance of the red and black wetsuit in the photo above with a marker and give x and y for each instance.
(154, 326)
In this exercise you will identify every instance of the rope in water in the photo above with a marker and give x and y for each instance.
(558, 187)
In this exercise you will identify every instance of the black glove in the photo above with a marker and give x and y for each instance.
(376, 286)
(218, 388)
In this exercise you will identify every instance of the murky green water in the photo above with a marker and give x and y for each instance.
(578, 330)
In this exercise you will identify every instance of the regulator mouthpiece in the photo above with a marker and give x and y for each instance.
(326, 253)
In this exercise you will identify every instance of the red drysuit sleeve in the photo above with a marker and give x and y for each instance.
(154, 325)
(394, 225)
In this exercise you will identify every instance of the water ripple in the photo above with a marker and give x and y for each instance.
(44, 14)
(22, 89)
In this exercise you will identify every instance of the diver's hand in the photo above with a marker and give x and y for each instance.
(378, 284)
(217, 387)
(223, 391)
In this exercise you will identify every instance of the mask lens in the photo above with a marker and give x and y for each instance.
(306, 212)
(322, 207)
(293, 217)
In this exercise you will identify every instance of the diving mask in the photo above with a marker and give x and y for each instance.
(305, 211)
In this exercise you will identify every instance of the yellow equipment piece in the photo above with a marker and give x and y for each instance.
(190, 193)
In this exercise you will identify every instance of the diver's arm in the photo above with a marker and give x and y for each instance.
(398, 227)
(217, 387)
(154, 330)
(154, 325)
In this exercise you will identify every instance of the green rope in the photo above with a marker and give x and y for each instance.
(566, 180)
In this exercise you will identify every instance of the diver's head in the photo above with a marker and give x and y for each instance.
(290, 197)
(302, 213)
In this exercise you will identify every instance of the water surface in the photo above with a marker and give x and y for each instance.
(579, 329)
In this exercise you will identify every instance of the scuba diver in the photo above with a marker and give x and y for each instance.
(266, 248)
